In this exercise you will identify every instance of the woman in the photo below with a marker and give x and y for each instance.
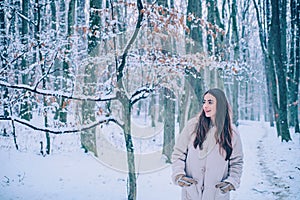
(207, 159)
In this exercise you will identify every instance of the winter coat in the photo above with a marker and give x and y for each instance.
(207, 170)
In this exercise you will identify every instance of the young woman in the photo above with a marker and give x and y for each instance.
(207, 159)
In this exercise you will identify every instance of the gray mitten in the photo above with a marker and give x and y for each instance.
(183, 180)
(225, 186)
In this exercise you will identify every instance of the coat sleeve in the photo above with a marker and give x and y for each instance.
(181, 148)
(235, 161)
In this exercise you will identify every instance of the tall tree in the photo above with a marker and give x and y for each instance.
(293, 69)
(211, 4)
(297, 69)
(3, 57)
(127, 103)
(67, 64)
(276, 32)
(169, 123)
(193, 83)
(245, 32)
(236, 57)
(168, 95)
(194, 8)
(88, 138)
(26, 106)
(263, 15)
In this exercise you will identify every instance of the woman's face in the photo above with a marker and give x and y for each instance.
(210, 106)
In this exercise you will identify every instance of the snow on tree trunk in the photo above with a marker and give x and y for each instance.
(297, 69)
(293, 69)
(88, 137)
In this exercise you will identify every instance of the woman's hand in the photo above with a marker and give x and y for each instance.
(183, 180)
(225, 186)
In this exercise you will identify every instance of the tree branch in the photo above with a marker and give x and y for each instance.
(21, 15)
(62, 130)
(142, 93)
(15, 59)
(47, 73)
(54, 93)
(131, 41)
(261, 35)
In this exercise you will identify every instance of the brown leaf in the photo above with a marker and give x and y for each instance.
(181, 20)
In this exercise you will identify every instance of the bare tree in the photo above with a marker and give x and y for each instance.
(276, 32)
(293, 69)
(270, 37)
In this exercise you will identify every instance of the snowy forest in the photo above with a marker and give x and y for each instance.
(89, 67)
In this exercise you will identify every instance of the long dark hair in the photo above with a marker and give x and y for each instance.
(222, 122)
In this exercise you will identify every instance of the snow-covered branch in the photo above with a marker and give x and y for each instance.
(131, 41)
(261, 33)
(17, 57)
(47, 73)
(141, 93)
(62, 130)
(56, 93)
(20, 14)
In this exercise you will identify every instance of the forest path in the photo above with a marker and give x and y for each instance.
(279, 163)
(260, 180)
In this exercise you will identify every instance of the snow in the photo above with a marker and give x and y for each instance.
(271, 169)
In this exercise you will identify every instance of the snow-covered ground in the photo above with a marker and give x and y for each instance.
(271, 170)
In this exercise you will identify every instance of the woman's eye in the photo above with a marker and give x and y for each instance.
(210, 102)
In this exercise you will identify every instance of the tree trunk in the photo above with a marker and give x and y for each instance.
(62, 111)
(194, 7)
(88, 138)
(152, 110)
(276, 32)
(210, 19)
(293, 69)
(195, 82)
(129, 147)
(267, 48)
(297, 69)
(24, 40)
(168, 100)
(245, 35)
(39, 58)
(26, 106)
(169, 123)
(235, 42)
(269, 92)
(127, 105)
(184, 104)
(194, 79)
(271, 66)
(53, 15)
(252, 91)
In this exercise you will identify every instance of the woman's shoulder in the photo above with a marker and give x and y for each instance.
(192, 123)
(190, 126)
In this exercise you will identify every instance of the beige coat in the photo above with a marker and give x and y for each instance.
(208, 170)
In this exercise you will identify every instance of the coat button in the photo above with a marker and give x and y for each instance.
(202, 169)
(202, 188)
